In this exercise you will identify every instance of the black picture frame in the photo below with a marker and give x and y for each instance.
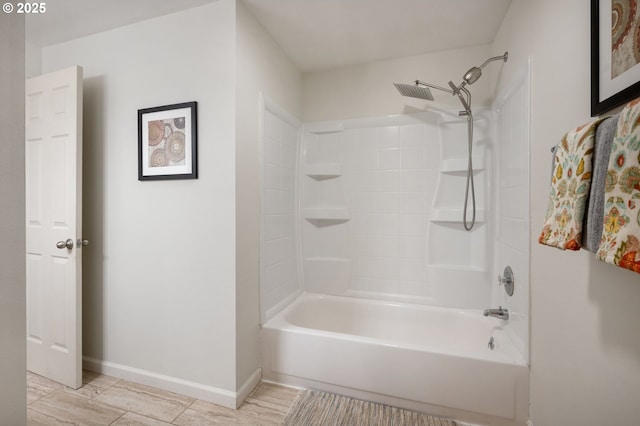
(613, 96)
(168, 142)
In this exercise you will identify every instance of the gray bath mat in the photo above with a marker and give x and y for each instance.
(315, 408)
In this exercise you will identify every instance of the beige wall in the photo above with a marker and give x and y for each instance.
(13, 394)
(585, 344)
(159, 279)
(366, 90)
(32, 60)
(262, 67)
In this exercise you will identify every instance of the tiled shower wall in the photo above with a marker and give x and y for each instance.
(279, 272)
(390, 175)
(381, 202)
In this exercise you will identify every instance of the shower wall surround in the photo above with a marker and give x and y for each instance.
(372, 208)
(511, 174)
(381, 210)
(279, 272)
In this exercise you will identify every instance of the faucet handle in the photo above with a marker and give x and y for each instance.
(507, 280)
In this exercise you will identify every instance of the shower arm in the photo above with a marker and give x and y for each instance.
(466, 103)
(434, 86)
(502, 57)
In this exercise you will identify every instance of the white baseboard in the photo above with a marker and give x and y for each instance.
(248, 386)
(173, 384)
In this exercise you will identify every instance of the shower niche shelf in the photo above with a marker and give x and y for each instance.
(339, 214)
(323, 171)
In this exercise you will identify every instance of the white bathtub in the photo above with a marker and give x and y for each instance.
(424, 358)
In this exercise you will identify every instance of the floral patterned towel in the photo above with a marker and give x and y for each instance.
(570, 185)
(620, 242)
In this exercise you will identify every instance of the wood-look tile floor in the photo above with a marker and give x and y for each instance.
(104, 400)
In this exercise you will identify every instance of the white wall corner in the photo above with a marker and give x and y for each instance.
(248, 386)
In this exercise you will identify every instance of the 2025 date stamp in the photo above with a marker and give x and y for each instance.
(24, 8)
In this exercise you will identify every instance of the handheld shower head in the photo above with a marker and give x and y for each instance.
(475, 73)
(472, 75)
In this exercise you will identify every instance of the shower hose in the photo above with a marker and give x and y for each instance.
(470, 183)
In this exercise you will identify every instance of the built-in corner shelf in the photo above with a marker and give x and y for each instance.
(327, 213)
(455, 215)
(323, 171)
(460, 165)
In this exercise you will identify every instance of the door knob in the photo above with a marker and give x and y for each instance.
(65, 244)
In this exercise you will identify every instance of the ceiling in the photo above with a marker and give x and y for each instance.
(66, 20)
(319, 34)
(315, 34)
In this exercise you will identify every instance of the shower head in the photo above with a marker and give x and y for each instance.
(472, 75)
(419, 90)
(414, 91)
(475, 73)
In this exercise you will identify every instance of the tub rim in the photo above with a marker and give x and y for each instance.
(511, 356)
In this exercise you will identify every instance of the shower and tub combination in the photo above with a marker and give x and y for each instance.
(379, 238)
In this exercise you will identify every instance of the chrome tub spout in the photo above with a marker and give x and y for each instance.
(502, 313)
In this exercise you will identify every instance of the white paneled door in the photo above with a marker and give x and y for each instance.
(53, 154)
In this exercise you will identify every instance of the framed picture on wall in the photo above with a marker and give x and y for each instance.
(167, 142)
(615, 53)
